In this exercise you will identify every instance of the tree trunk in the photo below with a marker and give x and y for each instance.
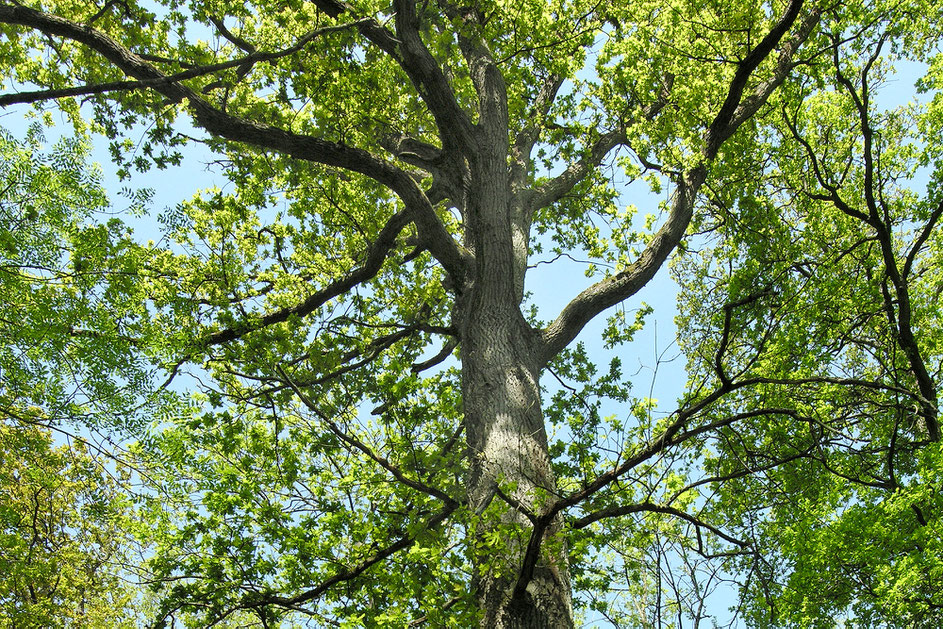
(509, 473)
(509, 464)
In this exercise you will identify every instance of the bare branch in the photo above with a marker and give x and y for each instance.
(612, 290)
(562, 184)
(364, 448)
(105, 8)
(820, 176)
(555, 189)
(862, 105)
(235, 39)
(166, 80)
(671, 436)
(674, 433)
(417, 62)
(737, 109)
(527, 138)
(761, 93)
(725, 335)
(921, 240)
(621, 510)
(355, 359)
(543, 99)
(349, 574)
(443, 354)
(667, 439)
(376, 255)
(899, 310)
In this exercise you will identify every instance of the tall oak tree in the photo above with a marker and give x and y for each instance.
(367, 441)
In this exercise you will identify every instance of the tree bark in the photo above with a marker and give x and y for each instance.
(510, 481)
(510, 477)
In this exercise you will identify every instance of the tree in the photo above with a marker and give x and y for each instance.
(66, 363)
(65, 348)
(61, 521)
(830, 329)
(395, 169)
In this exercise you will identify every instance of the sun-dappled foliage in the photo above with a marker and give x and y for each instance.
(64, 536)
(335, 396)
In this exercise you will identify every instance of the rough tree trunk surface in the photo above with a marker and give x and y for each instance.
(509, 464)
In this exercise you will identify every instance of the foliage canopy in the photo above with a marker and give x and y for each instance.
(365, 419)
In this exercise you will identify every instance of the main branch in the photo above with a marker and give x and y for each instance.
(735, 110)
(417, 62)
(233, 128)
(376, 255)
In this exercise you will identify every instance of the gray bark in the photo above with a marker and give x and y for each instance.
(510, 480)
(510, 475)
